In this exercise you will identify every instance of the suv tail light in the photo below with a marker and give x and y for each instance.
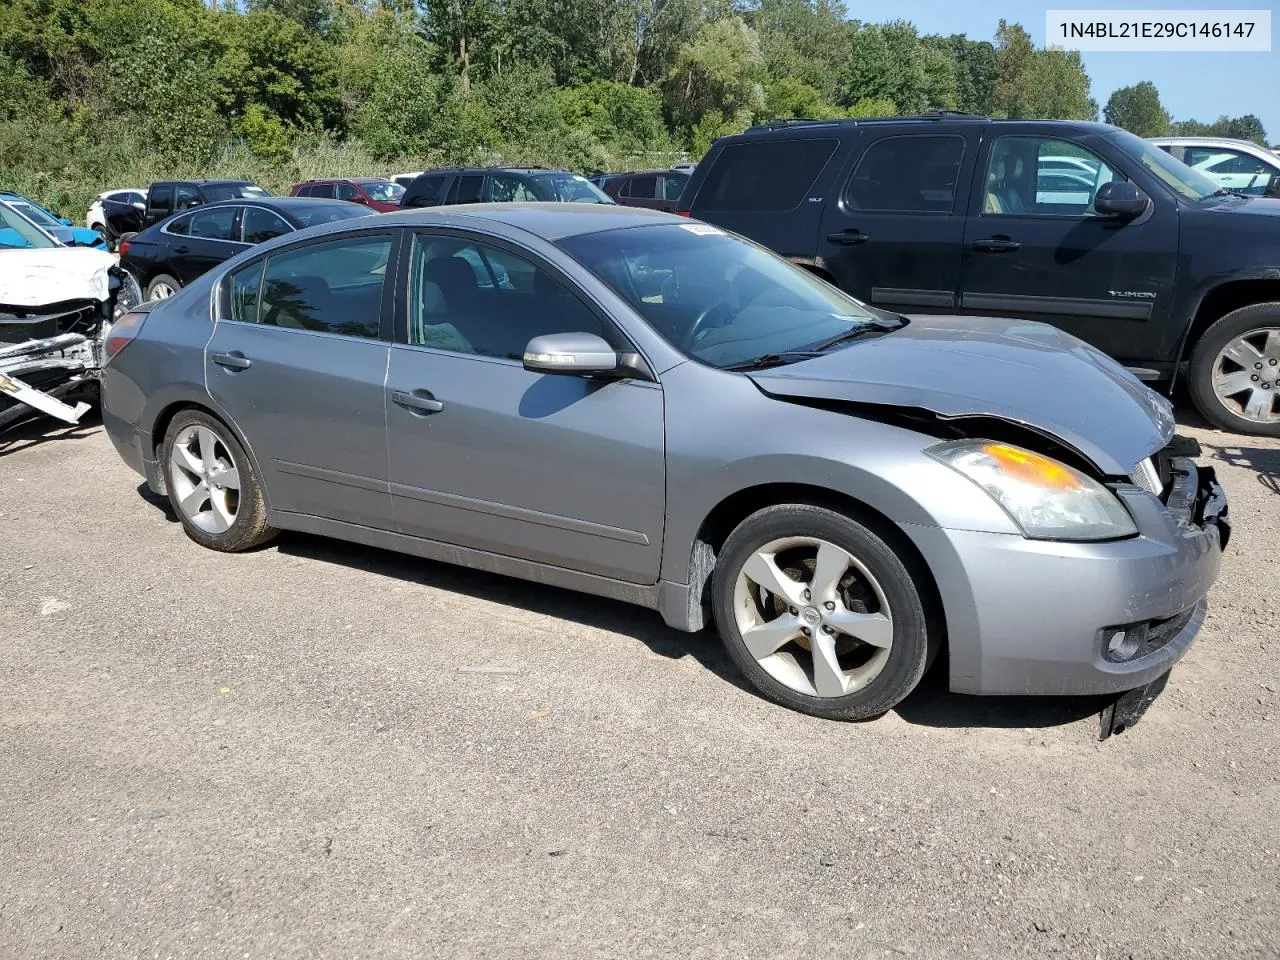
(682, 213)
(123, 247)
(122, 333)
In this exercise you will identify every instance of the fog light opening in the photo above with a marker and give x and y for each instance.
(1122, 645)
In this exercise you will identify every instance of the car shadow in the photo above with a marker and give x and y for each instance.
(1264, 462)
(931, 704)
(41, 428)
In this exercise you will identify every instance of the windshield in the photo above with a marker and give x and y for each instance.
(313, 212)
(383, 190)
(716, 298)
(35, 214)
(17, 231)
(568, 188)
(1187, 183)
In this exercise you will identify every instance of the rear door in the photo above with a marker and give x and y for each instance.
(258, 225)
(642, 191)
(892, 233)
(772, 189)
(670, 187)
(1036, 249)
(159, 202)
(298, 361)
(213, 236)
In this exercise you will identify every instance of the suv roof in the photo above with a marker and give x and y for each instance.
(932, 117)
(489, 170)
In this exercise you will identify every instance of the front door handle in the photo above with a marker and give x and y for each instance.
(420, 400)
(849, 238)
(996, 245)
(235, 360)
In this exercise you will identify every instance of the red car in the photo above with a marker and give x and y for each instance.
(374, 192)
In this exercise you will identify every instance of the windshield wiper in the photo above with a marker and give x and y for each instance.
(775, 359)
(865, 329)
(1225, 192)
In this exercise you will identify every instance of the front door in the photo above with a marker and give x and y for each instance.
(560, 470)
(891, 235)
(298, 361)
(1036, 249)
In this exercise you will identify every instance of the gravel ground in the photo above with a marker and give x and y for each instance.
(321, 750)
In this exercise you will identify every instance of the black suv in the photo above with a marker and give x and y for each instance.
(434, 188)
(1080, 225)
(167, 197)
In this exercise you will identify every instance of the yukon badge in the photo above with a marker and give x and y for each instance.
(1134, 294)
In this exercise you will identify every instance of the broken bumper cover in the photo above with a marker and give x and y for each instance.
(1036, 617)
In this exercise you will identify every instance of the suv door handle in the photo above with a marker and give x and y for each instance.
(420, 400)
(849, 238)
(996, 245)
(235, 360)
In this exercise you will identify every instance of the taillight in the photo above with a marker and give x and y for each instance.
(122, 334)
(682, 213)
(123, 248)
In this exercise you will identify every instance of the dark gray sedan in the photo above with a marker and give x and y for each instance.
(648, 408)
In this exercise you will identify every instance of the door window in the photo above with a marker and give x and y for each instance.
(506, 189)
(672, 187)
(160, 195)
(331, 287)
(1231, 169)
(261, 225)
(907, 175)
(424, 192)
(179, 226)
(347, 192)
(768, 175)
(240, 294)
(324, 190)
(476, 298)
(643, 188)
(216, 223)
(1041, 176)
(185, 196)
(467, 189)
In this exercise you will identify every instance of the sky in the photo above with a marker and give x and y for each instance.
(1192, 85)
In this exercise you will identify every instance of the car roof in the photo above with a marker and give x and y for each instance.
(549, 221)
(492, 170)
(946, 118)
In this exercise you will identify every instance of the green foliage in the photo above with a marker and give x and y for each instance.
(716, 86)
(1247, 127)
(1039, 84)
(1138, 110)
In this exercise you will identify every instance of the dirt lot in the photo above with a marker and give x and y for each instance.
(320, 750)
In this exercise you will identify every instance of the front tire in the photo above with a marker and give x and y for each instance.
(1235, 371)
(820, 613)
(212, 484)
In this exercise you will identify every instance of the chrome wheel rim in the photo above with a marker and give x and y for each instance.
(161, 291)
(813, 617)
(205, 479)
(1246, 375)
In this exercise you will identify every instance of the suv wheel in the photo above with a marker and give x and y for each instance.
(1235, 371)
(819, 613)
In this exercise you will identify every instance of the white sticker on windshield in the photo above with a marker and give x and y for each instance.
(703, 229)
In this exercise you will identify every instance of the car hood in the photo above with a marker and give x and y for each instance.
(1019, 371)
(37, 278)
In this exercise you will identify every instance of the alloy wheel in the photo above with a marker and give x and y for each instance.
(161, 291)
(1246, 375)
(813, 617)
(205, 479)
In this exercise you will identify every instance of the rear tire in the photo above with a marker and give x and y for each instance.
(162, 286)
(212, 484)
(820, 613)
(1240, 346)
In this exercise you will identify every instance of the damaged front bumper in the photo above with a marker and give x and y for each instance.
(56, 350)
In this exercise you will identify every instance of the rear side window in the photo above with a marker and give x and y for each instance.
(673, 186)
(467, 189)
(764, 175)
(160, 195)
(179, 226)
(327, 287)
(424, 192)
(643, 188)
(324, 190)
(260, 225)
(907, 175)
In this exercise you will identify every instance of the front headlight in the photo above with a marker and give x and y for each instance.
(1048, 500)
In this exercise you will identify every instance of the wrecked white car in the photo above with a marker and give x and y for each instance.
(57, 304)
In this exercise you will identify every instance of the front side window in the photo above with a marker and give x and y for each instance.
(259, 225)
(333, 287)
(348, 192)
(907, 175)
(764, 175)
(1232, 169)
(383, 191)
(503, 188)
(476, 298)
(467, 189)
(567, 188)
(1042, 176)
(215, 223)
(240, 294)
(184, 197)
(720, 299)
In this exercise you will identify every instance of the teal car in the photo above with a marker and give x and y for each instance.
(60, 228)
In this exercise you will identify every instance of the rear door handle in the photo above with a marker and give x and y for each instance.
(420, 400)
(235, 360)
(182, 249)
(996, 245)
(849, 238)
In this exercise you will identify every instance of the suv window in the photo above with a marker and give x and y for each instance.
(673, 186)
(467, 189)
(746, 176)
(476, 298)
(259, 225)
(424, 192)
(327, 287)
(184, 195)
(642, 188)
(324, 190)
(347, 192)
(1042, 176)
(503, 188)
(160, 195)
(910, 174)
(1231, 169)
(216, 223)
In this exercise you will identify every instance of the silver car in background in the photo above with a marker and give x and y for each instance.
(651, 409)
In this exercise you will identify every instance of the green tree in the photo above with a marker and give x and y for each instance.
(886, 62)
(314, 15)
(1138, 110)
(788, 97)
(1036, 84)
(803, 40)
(977, 70)
(716, 85)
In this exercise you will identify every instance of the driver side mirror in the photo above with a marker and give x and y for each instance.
(581, 354)
(1273, 188)
(1119, 198)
